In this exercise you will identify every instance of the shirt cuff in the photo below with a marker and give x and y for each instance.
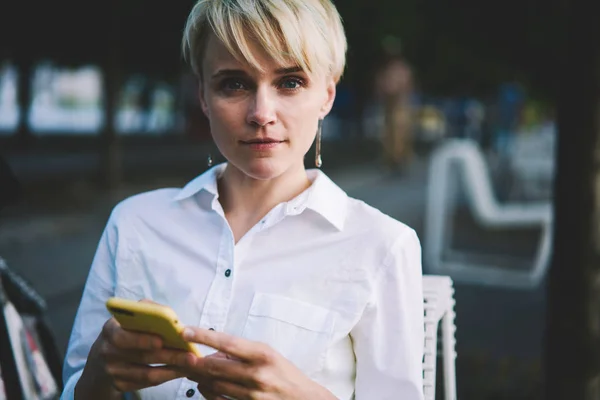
(69, 389)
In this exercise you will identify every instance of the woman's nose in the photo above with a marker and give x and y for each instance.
(262, 108)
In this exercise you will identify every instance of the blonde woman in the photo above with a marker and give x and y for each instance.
(292, 289)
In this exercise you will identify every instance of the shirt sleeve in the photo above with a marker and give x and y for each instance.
(389, 337)
(92, 314)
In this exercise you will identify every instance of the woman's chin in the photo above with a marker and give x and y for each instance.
(264, 168)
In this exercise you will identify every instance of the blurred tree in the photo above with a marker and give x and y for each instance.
(458, 47)
(463, 45)
(454, 44)
(360, 20)
(71, 32)
(124, 38)
(572, 348)
(113, 79)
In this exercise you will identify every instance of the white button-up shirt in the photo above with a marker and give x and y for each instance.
(331, 283)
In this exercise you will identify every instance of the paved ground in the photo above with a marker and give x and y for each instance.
(54, 252)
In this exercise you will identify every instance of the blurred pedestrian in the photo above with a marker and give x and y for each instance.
(475, 117)
(511, 98)
(394, 84)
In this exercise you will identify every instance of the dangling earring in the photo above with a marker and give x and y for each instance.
(318, 159)
(209, 161)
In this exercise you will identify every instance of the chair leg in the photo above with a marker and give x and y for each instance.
(430, 361)
(449, 351)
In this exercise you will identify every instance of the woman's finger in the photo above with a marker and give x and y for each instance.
(148, 301)
(218, 368)
(231, 390)
(206, 391)
(161, 356)
(210, 395)
(237, 347)
(140, 376)
(124, 339)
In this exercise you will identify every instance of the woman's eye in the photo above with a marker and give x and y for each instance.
(292, 83)
(232, 85)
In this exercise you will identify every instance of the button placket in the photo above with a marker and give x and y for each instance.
(218, 299)
(187, 389)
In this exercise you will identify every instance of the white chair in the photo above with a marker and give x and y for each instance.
(487, 211)
(438, 298)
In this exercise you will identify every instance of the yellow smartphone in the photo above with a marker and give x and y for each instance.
(151, 318)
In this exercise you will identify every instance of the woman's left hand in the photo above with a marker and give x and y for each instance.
(246, 370)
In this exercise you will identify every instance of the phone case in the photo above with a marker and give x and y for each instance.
(150, 318)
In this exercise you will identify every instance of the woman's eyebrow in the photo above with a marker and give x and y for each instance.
(228, 72)
(240, 72)
(288, 70)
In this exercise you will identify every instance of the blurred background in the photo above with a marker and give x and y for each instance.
(445, 119)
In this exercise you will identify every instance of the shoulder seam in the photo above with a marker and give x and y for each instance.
(386, 262)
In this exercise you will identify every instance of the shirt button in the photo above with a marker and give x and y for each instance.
(190, 393)
(228, 273)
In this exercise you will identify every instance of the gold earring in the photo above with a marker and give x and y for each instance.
(318, 159)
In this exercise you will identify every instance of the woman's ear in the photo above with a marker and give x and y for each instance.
(329, 99)
(202, 98)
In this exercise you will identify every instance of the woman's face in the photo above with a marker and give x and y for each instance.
(262, 122)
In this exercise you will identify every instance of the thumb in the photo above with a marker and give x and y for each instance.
(224, 356)
(148, 301)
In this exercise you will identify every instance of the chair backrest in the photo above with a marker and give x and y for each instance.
(488, 212)
(438, 298)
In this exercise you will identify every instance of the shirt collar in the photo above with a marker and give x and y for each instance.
(207, 181)
(324, 196)
(327, 199)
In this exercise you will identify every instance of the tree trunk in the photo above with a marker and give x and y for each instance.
(111, 147)
(362, 57)
(572, 347)
(24, 65)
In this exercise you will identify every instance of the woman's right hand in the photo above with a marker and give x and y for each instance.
(120, 360)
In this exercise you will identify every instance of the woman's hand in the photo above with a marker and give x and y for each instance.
(246, 370)
(120, 361)
(124, 357)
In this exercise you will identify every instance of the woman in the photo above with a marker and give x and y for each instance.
(292, 289)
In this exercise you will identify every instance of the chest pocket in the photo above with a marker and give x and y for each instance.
(299, 331)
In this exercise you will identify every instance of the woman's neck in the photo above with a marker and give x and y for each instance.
(246, 200)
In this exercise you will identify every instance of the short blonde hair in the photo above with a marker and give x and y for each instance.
(308, 33)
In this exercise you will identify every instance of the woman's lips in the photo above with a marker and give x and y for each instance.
(262, 144)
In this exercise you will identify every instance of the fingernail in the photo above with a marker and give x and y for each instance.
(188, 333)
